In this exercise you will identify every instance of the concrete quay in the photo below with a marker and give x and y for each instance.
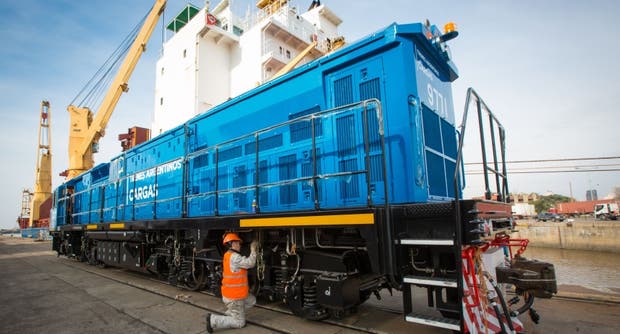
(43, 293)
(588, 235)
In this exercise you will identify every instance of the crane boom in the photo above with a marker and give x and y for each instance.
(339, 42)
(291, 65)
(43, 173)
(85, 130)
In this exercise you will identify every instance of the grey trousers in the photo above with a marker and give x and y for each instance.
(235, 315)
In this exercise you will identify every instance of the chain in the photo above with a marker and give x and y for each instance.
(260, 264)
(83, 245)
(193, 260)
(177, 253)
(482, 281)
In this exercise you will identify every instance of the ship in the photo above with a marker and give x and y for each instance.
(215, 55)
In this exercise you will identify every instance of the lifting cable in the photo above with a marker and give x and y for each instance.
(100, 81)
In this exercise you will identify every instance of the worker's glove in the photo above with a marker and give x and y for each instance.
(253, 246)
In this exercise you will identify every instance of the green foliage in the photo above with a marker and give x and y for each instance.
(544, 203)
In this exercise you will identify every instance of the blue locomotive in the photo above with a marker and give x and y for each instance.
(343, 170)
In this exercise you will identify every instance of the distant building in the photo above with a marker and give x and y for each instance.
(524, 198)
(591, 195)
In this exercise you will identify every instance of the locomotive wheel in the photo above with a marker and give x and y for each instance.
(199, 279)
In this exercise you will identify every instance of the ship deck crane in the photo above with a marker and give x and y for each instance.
(339, 42)
(86, 130)
(43, 176)
(23, 220)
(291, 65)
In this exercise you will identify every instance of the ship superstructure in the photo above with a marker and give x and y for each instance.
(215, 55)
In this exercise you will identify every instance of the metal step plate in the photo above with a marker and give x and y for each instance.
(427, 242)
(433, 281)
(428, 320)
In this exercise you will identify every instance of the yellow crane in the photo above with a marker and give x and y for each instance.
(86, 130)
(338, 43)
(291, 65)
(43, 175)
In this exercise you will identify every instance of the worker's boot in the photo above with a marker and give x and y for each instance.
(209, 328)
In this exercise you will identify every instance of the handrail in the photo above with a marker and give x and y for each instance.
(215, 149)
(294, 120)
(364, 109)
(502, 194)
(501, 177)
(368, 107)
(315, 176)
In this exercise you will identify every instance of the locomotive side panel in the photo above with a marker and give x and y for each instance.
(309, 164)
(357, 83)
(436, 112)
(151, 183)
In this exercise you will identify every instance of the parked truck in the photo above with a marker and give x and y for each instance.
(606, 211)
(523, 210)
(574, 209)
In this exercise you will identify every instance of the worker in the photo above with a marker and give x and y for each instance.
(235, 288)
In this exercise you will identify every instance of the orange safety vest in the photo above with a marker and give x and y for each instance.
(234, 284)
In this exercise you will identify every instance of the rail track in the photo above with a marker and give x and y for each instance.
(280, 319)
(154, 286)
(73, 297)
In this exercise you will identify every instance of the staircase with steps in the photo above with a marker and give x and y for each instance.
(430, 243)
(434, 235)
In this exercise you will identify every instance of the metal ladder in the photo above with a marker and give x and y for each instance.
(437, 285)
(435, 288)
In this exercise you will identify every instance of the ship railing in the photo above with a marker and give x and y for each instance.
(267, 11)
(288, 19)
(301, 28)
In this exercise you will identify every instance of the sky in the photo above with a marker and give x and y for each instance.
(548, 69)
